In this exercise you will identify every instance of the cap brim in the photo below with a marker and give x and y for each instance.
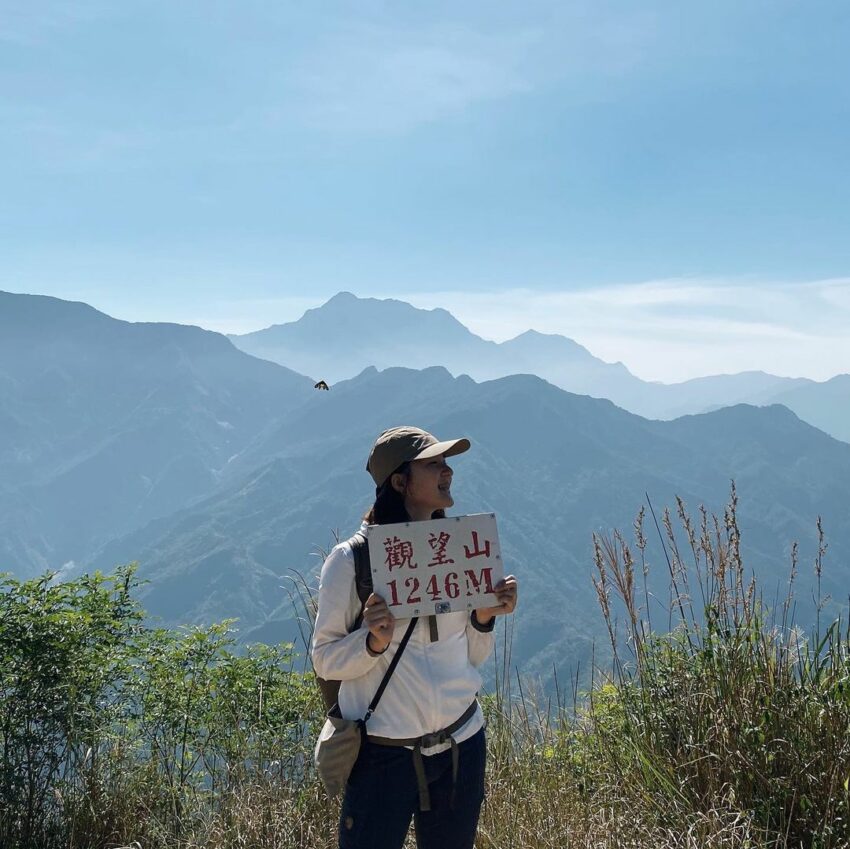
(449, 448)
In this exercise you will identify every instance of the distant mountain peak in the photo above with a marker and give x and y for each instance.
(348, 313)
(537, 336)
(532, 334)
(346, 333)
(389, 305)
(343, 296)
(341, 300)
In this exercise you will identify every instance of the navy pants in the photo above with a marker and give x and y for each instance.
(382, 795)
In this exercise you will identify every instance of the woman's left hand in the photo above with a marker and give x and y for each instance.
(506, 592)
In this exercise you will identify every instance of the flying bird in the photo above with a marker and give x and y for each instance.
(321, 385)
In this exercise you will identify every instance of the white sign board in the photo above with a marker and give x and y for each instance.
(436, 566)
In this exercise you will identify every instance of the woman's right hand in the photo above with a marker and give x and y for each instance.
(380, 622)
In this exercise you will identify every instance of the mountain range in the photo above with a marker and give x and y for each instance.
(224, 474)
(106, 424)
(339, 339)
(552, 465)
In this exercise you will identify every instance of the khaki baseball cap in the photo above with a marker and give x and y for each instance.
(401, 444)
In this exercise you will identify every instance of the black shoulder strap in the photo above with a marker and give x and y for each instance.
(363, 582)
(362, 572)
(390, 669)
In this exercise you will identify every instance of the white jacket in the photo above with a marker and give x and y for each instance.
(434, 682)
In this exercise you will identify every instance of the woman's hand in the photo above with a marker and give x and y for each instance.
(380, 622)
(506, 592)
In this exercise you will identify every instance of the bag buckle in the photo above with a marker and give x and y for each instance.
(435, 739)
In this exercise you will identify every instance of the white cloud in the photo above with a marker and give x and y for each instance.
(835, 293)
(673, 330)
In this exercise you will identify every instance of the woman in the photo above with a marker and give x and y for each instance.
(407, 767)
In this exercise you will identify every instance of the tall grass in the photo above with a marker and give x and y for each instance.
(729, 729)
(735, 713)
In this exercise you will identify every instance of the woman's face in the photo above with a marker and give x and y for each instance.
(428, 487)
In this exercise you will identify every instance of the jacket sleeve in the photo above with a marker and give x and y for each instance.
(337, 654)
(480, 639)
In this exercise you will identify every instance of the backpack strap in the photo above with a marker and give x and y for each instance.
(362, 572)
(363, 583)
(389, 673)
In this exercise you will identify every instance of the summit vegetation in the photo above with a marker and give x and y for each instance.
(711, 720)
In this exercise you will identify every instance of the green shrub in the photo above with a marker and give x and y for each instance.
(65, 655)
(111, 730)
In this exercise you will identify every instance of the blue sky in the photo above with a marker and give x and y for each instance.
(668, 183)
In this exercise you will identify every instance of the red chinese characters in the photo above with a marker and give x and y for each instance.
(424, 568)
(399, 554)
(438, 545)
(477, 551)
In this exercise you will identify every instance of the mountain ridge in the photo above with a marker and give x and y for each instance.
(554, 466)
(419, 338)
(221, 473)
(85, 394)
